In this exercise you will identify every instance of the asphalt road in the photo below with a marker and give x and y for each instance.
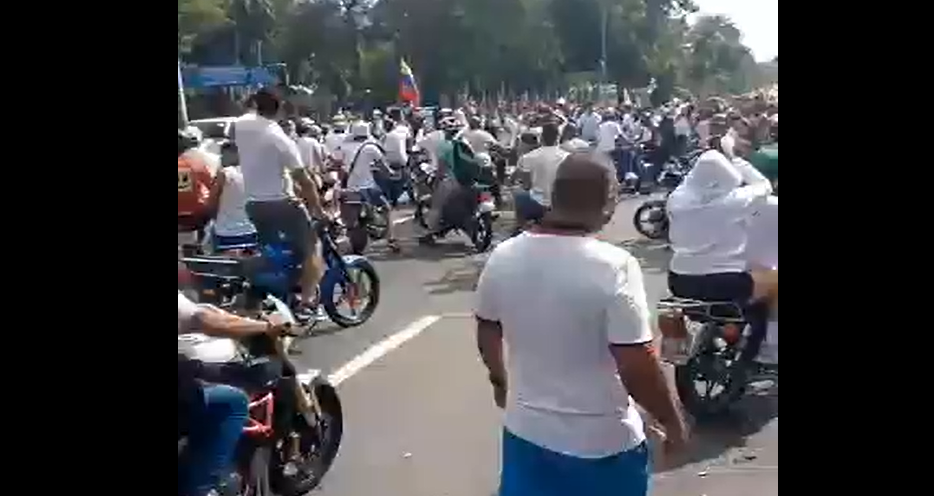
(419, 416)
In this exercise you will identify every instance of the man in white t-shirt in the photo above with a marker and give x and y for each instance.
(570, 311)
(480, 140)
(360, 154)
(589, 123)
(536, 172)
(334, 139)
(270, 162)
(314, 154)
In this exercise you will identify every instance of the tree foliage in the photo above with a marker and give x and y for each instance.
(351, 46)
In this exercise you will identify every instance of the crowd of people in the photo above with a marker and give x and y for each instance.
(571, 425)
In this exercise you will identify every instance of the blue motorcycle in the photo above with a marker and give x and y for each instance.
(242, 280)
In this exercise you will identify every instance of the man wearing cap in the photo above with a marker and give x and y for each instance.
(359, 155)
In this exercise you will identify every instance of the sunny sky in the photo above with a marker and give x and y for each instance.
(758, 19)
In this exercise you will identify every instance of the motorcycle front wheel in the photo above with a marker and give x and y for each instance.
(318, 445)
(362, 278)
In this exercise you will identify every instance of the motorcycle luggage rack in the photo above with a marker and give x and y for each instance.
(704, 309)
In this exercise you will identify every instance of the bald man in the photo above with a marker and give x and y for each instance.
(574, 311)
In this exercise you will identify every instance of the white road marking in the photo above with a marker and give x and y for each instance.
(400, 220)
(382, 348)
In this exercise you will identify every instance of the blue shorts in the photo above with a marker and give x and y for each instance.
(530, 470)
(374, 196)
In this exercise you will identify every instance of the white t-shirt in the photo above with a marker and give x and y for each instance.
(564, 391)
(333, 142)
(232, 219)
(542, 163)
(479, 140)
(395, 145)
(361, 177)
(606, 136)
(186, 313)
(267, 158)
(589, 123)
(682, 126)
(762, 245)
(710, 236)
(312, 152)
(430, 143)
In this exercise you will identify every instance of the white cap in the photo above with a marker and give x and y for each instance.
(360, 129)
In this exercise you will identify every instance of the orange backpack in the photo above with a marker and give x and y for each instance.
(194, 185)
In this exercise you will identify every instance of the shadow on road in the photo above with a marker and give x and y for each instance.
(461, 278)
(728, 435)
(411, 250)
(653, 255)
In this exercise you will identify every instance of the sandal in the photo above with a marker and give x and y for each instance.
(393, 245)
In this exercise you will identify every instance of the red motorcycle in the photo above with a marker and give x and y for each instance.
(295, 424)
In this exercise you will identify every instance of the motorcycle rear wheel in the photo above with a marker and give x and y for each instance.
(659, 229)
(359, 239)
(703, 407)
(482, 236)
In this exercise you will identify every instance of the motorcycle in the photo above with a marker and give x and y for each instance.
(708, 342)
(362, 220)
(651, 218)
(291, 437)
(242, 281)
(478, 225)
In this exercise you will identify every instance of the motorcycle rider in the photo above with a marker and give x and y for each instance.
(395, 144)
(709, 214)
(212, 415)
(313, 152)
(480, 140)
(455, 173)
(273, 178)
(571, 141)
(232, 226)
(536, 173)
(336, 137)
(359, 155)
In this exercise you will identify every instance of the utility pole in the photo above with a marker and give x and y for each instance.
(603, 29)
(182, 104)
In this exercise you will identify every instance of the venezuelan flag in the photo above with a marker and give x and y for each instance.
(408, 88)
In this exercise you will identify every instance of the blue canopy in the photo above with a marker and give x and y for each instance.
(209, 77)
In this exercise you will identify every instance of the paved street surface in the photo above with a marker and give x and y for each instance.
(419, 416)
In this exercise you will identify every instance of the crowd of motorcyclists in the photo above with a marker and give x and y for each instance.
(276, 175)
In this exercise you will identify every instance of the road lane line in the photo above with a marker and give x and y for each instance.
(382, 348)
(400, 220)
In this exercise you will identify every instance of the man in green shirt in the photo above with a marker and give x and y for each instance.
(765, 160)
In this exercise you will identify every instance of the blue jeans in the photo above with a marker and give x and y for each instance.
(216, 424)
(531, 470)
